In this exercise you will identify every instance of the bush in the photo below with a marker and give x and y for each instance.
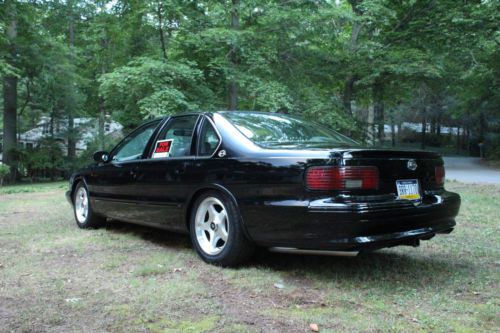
(492, 148)
(44, 161)
(4, 171)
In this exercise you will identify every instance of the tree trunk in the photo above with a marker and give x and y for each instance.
(433, 126)
(482, 125)
(10, 98)
(52, 145)
(233, 86)
(71, 120)
(398, 137)
(378, 108)
(347, 96)
(159, 11)
(350, 79)
(370, 129)
(424, 127)
(71, 138)
(467, 140)
(102, 109)
(458, 139)
(102, 119)
(9, 119)
(393, 130)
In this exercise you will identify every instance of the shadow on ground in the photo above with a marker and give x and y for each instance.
(157, 236)
(404, 267)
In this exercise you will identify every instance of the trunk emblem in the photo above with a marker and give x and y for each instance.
(412, 165)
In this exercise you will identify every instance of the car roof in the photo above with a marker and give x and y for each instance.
(213, 112)
(193, 113)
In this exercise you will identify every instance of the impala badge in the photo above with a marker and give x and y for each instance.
(412, 165)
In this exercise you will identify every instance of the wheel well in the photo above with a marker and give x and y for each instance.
(196, 195)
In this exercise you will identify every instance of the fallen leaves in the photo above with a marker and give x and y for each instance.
(72, 300)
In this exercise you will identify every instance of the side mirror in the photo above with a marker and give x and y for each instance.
(101, 156)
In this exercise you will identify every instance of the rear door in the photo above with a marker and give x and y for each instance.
(164, 180)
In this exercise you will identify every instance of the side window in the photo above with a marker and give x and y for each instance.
(133, 146)
(175, 138)
(209, 140)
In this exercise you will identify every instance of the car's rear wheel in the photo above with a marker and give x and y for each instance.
(216, 230)
(84, 215)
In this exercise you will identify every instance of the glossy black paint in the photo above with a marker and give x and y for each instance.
(268, 187)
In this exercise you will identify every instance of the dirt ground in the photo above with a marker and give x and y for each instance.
(55, 277)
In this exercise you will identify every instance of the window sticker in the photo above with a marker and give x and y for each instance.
(162, 148)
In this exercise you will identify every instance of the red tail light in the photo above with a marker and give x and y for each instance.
(342, 178)
(440, 175)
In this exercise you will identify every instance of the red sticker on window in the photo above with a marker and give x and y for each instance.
(162, 148)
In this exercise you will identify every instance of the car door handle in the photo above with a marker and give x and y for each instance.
(181, 169)
(133, 172)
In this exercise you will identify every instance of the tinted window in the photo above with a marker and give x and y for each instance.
(133, 145)
(209, 140)
(179, 132)
(270, 129)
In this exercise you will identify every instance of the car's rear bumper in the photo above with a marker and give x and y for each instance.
(352, 226)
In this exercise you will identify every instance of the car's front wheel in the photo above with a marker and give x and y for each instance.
(217, 232)
(84, 215)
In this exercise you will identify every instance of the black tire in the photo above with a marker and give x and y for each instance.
(238, 248)
(90, 219)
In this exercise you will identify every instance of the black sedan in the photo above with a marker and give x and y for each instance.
(235, 180)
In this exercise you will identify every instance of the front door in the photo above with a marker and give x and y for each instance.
(112, 185)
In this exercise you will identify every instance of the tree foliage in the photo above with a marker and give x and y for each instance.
(422, 60)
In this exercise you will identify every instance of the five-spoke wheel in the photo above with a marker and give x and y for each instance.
(217, 232)
(81, 205)
(84, 215)
(211, 224)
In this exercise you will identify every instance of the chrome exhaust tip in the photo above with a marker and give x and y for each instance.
(293, 250)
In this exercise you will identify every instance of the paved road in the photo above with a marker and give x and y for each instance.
(470, 170)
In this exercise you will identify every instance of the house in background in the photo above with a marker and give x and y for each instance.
(87, 131)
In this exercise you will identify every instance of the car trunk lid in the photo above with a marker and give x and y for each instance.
(396, 167)
(401, 174)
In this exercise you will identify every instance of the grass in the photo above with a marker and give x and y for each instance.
(55, 277)
(32, 187)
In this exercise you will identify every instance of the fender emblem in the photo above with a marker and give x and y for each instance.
(412, 165)
(222, 153)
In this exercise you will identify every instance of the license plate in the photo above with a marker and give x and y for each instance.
(408, 189)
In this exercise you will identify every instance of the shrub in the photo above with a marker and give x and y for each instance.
(4, 171)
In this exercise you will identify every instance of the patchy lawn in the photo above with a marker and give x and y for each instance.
(55, 277)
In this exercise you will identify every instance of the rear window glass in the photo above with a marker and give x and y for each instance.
(270, 129)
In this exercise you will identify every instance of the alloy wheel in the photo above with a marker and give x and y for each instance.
(81, 205)
(211, 226)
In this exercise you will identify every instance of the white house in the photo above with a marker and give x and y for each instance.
(87, 131)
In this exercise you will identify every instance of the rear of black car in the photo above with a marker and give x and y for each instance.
(369, 199)
(312, 188)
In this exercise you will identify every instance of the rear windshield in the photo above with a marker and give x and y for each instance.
(271, 129)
